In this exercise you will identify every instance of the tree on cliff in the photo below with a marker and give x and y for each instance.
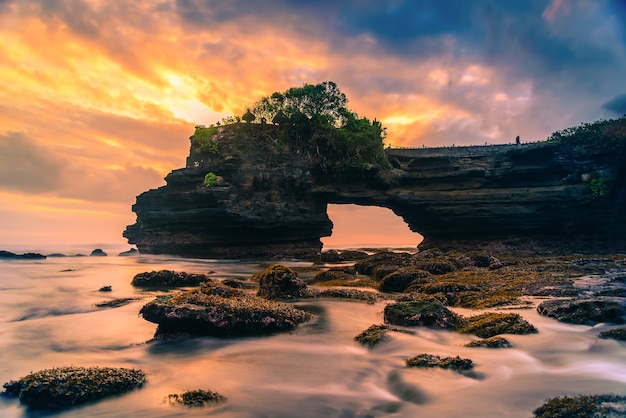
(316, 121)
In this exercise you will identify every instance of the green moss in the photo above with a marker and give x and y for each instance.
(198, 397)
(203, 140)
(67, 386)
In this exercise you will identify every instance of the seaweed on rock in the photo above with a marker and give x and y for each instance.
(64, 387)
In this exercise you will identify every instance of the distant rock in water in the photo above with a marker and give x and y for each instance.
(132, 251)
(57, 255)
(98, 253)
(26, 256)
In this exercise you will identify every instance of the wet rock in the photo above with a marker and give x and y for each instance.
(279, 282)
(98, 253)
(429, 360)
(106, 289)
(436, 266)
(491, 324)
(115, 303)
(68, 386)
(583, 311)
(218, 310)
(198, 397)
(132, 251)
(331, 256)
(582, 406)
(372, 335)
(491, 342)
(427, 312)
(400, 279)
(168, 278)
(349, 294)
(397, 260)
(353, 255)
(238, 284)
(618, 334)
(333, 275)
(25, 256)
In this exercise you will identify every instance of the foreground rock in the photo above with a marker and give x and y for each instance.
(198, 397)
(583, 311)
(491, 324)
(429, 360)
(221, 311)
(491, 342)
(168, 278)
(618, 334)
(427, 312)
(68, 386)
(583, 406)
(279, 282)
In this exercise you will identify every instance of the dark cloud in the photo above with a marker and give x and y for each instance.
(26, 166)
(617, 105)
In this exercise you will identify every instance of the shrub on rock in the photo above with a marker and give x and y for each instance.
(67, 386)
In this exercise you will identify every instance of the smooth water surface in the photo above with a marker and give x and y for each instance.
(48, 319)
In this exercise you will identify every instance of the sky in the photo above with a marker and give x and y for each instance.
(98, 98)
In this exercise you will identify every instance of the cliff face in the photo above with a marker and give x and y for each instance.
(270, 201)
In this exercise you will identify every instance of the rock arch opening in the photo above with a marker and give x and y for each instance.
(356, 226)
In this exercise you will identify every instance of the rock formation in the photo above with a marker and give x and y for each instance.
(251, 195)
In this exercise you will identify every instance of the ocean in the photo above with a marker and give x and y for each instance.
(49, 318)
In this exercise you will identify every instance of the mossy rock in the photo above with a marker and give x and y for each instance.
(348, 294)
(279, 282)
(367, 265)
(427, 312)
(164, 278)
(65, 387)
(583, 311)
(430, 360)
(434, 266)
(583, 406)
(198, 397)
(491, 342)
(491, 324)
(372, 335)
(400, 279)
(221, 311)
(618, 334)
(333, 275)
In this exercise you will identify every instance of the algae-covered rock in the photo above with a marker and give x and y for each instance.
(280, 282)
(427, 312)
(219, 310)
(618, 334)
(198, 397)
(333, 275)
(491, 342)
(401, 278)
(491, 324)
(67, 386)
(350, 294)
(583, 406)
(430, 360)
(583, 311)
(369, 264)
(168, 278)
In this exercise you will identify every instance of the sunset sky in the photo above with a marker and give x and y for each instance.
(99, 98)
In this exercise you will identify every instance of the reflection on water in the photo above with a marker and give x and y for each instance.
(49, 319)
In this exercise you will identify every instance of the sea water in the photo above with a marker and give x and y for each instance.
(49, 318)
